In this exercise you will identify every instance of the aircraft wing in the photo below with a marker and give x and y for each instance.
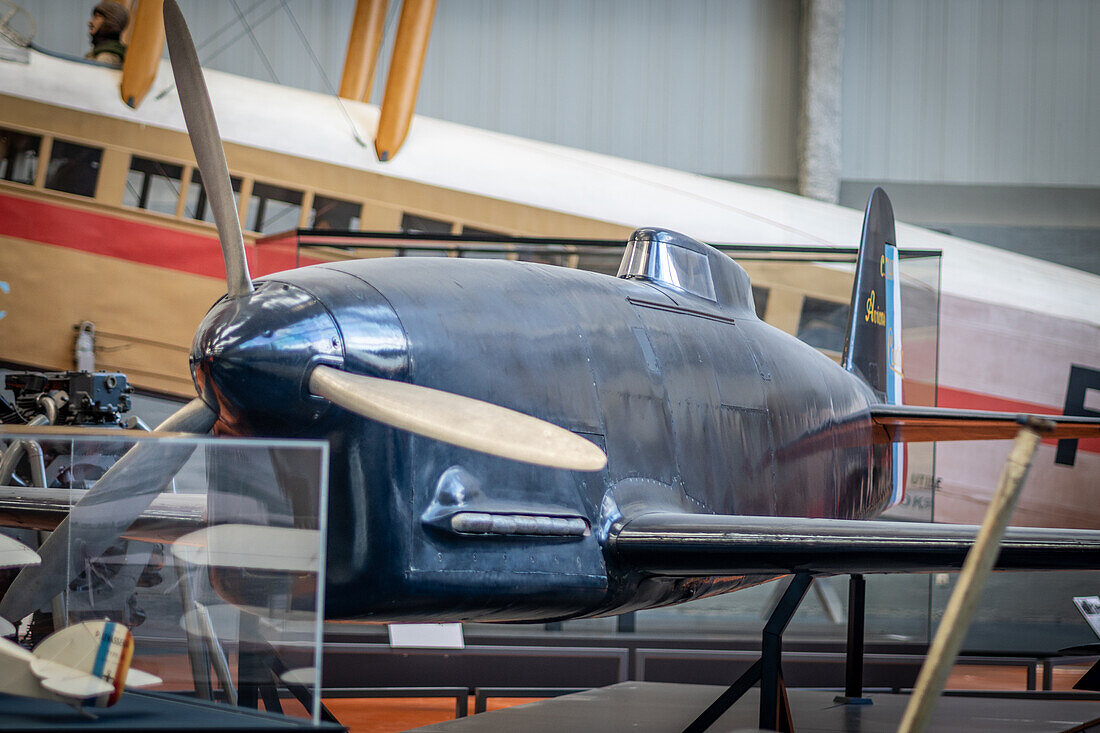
(69, 682)
(913, 423)
(249, 546)
(679, 544)
(136, 679)
(166, 518)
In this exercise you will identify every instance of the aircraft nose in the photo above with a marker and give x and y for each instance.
(252, 356)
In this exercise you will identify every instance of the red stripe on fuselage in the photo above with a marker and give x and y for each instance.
(134, 241)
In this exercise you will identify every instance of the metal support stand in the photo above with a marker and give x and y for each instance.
(825, 594)
(254, 676)
(198, 651)
(260, 672)
(853, 666)
(774, 709)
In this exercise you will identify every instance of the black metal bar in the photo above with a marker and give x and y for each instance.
(253, 670)
(143, 197)
(853, 671)
(580, 243)
(766, 669)
(770, 652)
(305, 697)
(786, 722)
(300, 692)
(772, 649)
(270, 696)
(708, 717)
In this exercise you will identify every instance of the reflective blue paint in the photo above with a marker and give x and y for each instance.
(894, 365)
(104, 648)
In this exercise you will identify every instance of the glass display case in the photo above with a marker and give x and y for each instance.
(210, 551)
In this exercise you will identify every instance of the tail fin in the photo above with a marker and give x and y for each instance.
(102, 649)
(872, 346)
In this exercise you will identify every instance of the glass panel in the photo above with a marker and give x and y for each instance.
(635, 259)
(18, 156)
(197, 207)
(73, 168)
(823, 324)
(273, 208)
(662, 261)
(334, 214)
(222, 559)
(152, 185)
(687, 270)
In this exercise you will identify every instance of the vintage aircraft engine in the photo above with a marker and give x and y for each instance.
(76, 399)
(81, 398)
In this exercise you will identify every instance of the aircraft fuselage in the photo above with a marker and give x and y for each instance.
(699, 406)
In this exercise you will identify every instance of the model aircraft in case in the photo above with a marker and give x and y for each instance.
(519, 442)
(86, 664)
(80, 665)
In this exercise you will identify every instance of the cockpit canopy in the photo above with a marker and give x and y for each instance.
(678, 262)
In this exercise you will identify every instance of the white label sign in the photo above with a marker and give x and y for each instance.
(427, 636)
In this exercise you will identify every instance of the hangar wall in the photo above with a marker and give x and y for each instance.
(710, 87)
(972, 92)
(947, 92)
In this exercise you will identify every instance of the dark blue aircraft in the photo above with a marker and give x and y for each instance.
(470, 404)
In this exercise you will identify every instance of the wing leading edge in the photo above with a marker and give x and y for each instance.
(676, 544)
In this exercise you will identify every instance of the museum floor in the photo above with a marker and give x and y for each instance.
(382, 715)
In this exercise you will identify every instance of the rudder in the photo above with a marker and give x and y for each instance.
(872, 344)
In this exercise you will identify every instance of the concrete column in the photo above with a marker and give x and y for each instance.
(819, 121)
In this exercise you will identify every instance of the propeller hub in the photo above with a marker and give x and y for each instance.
(252, 357)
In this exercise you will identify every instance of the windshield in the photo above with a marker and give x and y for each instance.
(651, 257)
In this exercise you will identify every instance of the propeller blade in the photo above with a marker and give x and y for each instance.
(461, 421)
(250, 546)
(104, 513)
(207, 143)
